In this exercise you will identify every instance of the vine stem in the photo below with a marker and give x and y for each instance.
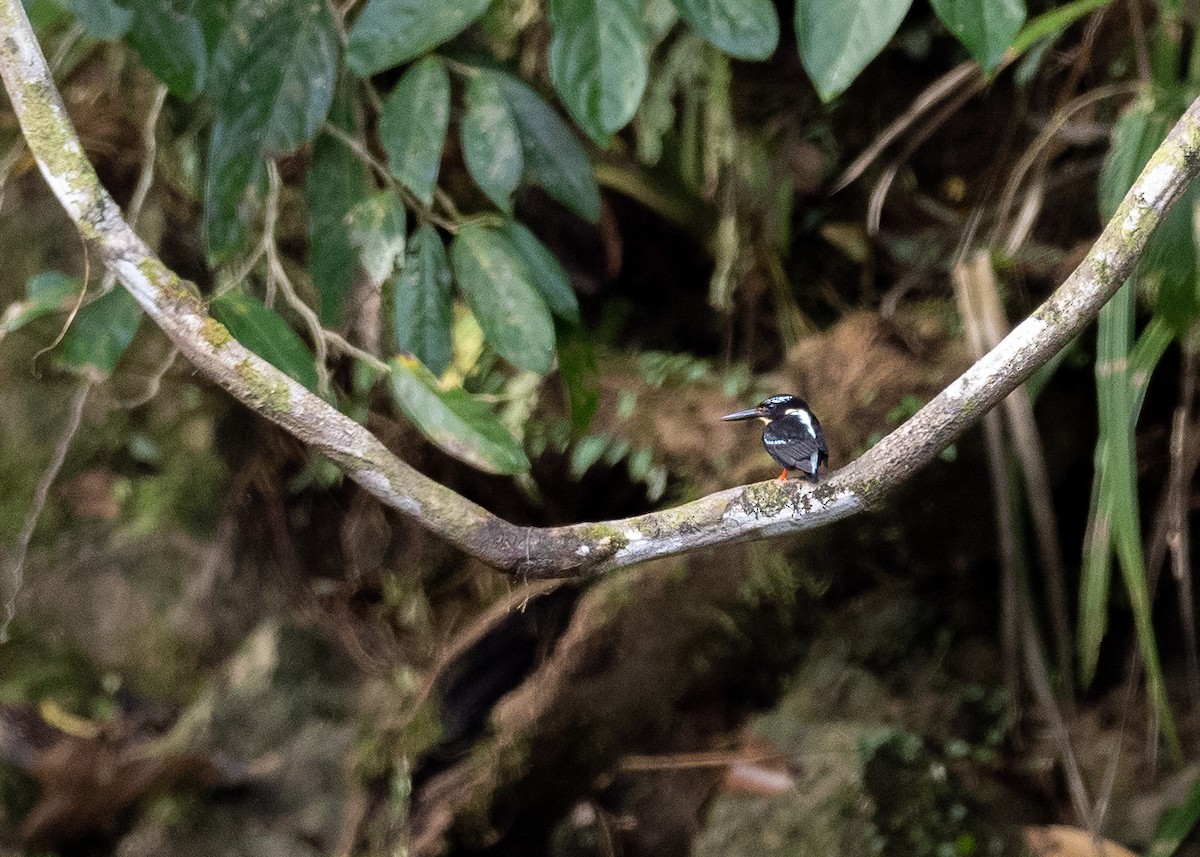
(746, 512)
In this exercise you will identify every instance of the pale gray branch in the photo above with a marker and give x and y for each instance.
(737, 514)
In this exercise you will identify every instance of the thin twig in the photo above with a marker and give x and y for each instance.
(380, 169)
(153, 383)
(339, 344)
(267, 241)
(978, 280)
(966, 73)
(1036, 671)
(279, 276)
(1178, 509)
(881, 188)
(997, 447)
(360, 151)
(453, 648)
(149, 156)
(1039, 151)
(1141, 49)
(16, 574)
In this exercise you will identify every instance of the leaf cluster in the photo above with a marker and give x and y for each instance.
(369, 98)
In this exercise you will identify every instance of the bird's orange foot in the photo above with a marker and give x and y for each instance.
(783, 476)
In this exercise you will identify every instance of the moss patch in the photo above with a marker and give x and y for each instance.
(267, 397)
(215, 334)
(767, 499)
(172, 286)
(605, 539)
(48, 136)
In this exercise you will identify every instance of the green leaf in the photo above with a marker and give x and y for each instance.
(746, 29)
(235, 167)
(545, 273)
(214, 17)
(1051, 23)
(378, 230)
(1114, 517)
(171, 44)
(272, 77)
(579, 375)
(103, 19)
(1169, 269)
(598, 61)
(46, 292)
(553, 156)
(985, 27)
(1175, 824)
(495, 282)
(336, 182)
(102, 331)
(837, 40)
(390, 32)
(1135, 136)
(264, 332)
(46, 15)
(421, 301)
(413, 126)
(491, 143)
(454, 421)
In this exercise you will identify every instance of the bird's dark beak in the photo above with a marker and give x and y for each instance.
(749, 414)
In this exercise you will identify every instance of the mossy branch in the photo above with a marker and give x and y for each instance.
(738, 514)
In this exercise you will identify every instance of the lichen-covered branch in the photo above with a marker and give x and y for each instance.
(748, 512)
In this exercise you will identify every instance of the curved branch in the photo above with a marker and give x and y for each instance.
(737, 514)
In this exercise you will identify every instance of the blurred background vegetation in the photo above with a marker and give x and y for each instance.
(539, 248)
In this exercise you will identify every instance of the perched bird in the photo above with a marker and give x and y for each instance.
(793, 434)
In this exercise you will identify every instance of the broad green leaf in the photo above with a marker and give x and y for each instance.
(545, 273)
(421, 301)
(272, 77)
(390, 32)
(598, 61)
(413, 126)
(45, 293)
(214, 17)
(580, 377)
(495, 282)
(985, 27)
(491, 144)
(453, 420)
(553, 156)
(236, 166)
(837, 40)
(264, 332)
(746, 29)
(103, 19)
(378, 230)
(337, 181)
(102, 331)
(171, 44)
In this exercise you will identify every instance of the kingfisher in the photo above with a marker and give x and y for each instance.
(793, 435)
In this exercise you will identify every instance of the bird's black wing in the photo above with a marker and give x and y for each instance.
(792, 443)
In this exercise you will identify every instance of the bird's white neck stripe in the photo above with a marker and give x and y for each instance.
(804, 416)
